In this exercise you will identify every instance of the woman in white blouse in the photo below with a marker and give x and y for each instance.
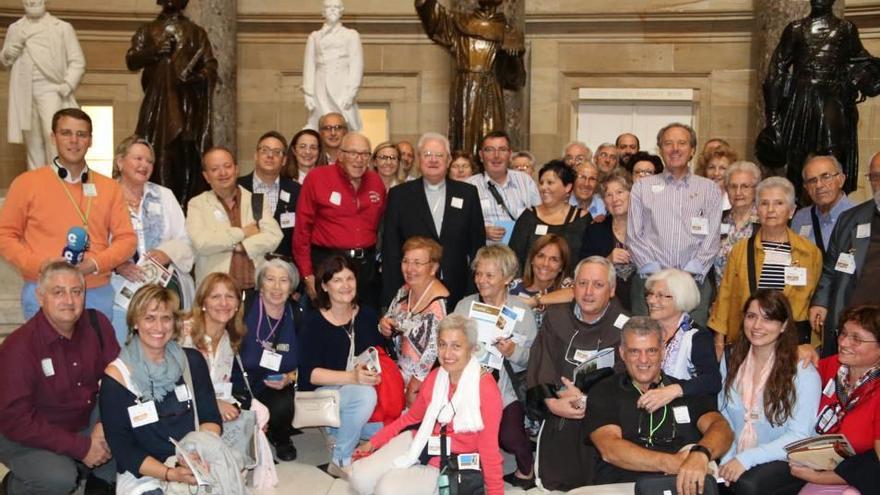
(158, 222)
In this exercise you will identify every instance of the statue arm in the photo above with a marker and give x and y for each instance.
(778, 75)
(355, 68)
(208, 63)
(308, 84)
(142, 52)
(13, 46)
(76, 61)
(437, 22)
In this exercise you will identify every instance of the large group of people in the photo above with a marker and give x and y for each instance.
(603, 318)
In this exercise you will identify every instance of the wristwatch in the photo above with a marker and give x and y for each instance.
(703, 450)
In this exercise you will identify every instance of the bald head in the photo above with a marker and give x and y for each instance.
(354, 155)
(874, 173)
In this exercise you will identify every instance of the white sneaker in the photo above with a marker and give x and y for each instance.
(343, 472)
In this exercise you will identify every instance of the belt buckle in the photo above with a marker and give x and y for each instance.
(356, 253)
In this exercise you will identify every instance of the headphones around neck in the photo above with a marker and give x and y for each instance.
(63, 173)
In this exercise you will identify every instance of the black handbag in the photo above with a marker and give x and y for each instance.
(456, 481)
(661, 485)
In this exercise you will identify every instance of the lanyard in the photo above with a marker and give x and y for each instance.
(651, 428)
(83, 217)
(272, 329)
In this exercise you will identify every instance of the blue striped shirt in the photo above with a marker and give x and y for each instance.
(663, 214)
(519, 192)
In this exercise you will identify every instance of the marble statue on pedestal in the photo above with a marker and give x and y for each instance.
(47, 65)
(817, 75)
(488, 57)
(179, 75)
(333, 69)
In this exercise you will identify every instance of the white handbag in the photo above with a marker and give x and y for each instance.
(318, 408)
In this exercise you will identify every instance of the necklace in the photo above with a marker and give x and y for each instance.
(410, 307)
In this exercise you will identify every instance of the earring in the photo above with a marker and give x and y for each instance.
(203, 308)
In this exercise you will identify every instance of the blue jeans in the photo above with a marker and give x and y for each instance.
(356, 404)
(100, 298)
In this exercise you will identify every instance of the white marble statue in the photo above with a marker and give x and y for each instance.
(333, 69)
(47, 65)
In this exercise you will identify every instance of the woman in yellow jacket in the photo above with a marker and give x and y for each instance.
(775, 257)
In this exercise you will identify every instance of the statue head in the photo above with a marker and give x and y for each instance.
(333, 10)
(34, 9)
(173, 5)
(821, 6)
(490, 3)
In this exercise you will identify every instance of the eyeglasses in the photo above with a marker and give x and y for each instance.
(605, 154)
(855, 340)
(307, 147)
(265, 150)
(587, 178)
(643, 173)
(873, 177)
(427, 155)
(387, 158)
(649, 294)
(824, 179)
(363, 155)
(336, 128)
(489, 150)
(577, 160)
(740, 187)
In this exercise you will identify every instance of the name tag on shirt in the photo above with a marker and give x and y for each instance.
(154, 208)
(830, 388)
(581, 355)
(846, 263)
(863, 231)
(284, 196)
(90, 190)
(777, 258)
(143, 414)
(805, 230)
(182, 392)
(434, 445)
(725, 229)
(621, 321)
(795, 275)
(288, 220)
(335, 198)
(541, 230)
(657, 188)
(682, 416)
(48, 368)
(270, 360)
(282, 347)
(469, 461)
(223, 390)
(699, 226)
(485, 204)
(219, 215)
(456, 203)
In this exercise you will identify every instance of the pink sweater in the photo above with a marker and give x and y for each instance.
(484, 442)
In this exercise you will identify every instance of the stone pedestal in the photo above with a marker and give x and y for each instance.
(219, 19)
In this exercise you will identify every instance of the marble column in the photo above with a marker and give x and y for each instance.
(771, 17)
(218, 18)
(516, 104)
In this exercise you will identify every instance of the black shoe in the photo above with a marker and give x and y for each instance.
(285, 452)
(513, 480)
(97, 486)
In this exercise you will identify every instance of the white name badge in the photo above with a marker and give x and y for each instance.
(657, 188)
(795, 275)
(863, 231)
(581, 355)
(621, 321)
(805, 230)
(485, 204)
(284, 196)
(270, 360)
(335, 198)
(699, 226)
(540, 230)
(48, 369)
(89, 190)
(725, 228)
(288, 220)
(469, 461)
(219, 215)
(434, 445)
(456, 203)
(846, 263)
(682, 416)
(830, 388)
(223, 390)
(777, 258)
(182, 392)
(154, 208)
(143, 414)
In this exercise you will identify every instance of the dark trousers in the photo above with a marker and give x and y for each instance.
(367, 288)
(513, 438)
(280, 405)
(772, 478)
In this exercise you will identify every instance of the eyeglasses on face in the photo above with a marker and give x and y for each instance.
(265, 150)
(334, 128)
(854, 338)
(363, 155)
(824, 179)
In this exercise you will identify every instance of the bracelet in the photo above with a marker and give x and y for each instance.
(167, 470)
(538, 298)
(703, 450)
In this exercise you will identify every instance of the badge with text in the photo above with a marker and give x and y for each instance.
(805, 230)
(846, 263)
(223, 390)
(830, 388)
(657, 188)
(621, 321)
(795, 275)
(863, 231)
(699, 226)
(456, 203)
(434, 445)
(777, 257)
(682, 416)
(154, 209)
(219, 215)
(469, 461)
(725, 229)
(182, 392)
(90, 190)
(270, 360)
(143, 414)
(335, 198)
(288, 220)
(541, 230)
(48, 368)
(284, 196)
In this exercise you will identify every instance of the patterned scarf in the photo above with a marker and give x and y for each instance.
(752, 394)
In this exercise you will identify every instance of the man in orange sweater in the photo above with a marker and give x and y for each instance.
(43, 204)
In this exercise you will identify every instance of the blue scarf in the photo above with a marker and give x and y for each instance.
(153, 380)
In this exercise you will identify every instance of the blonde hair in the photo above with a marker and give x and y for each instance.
(142, 300)
(234, 327)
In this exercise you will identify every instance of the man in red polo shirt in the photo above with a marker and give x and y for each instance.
(338, 212)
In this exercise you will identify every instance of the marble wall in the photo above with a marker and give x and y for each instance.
(704, 45)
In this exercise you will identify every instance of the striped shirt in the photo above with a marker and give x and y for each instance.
(269, 191)
(674, 223)
(773, 269)
(518, 192)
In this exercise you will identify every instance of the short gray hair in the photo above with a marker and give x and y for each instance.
(682, 287)
(776, 183)
(742, 166)
(579, 143)
(641, 326)
(59, 267)
(292, 272)
(599, 260)
(691, 131)
(503, 255)
(831, 158)
(461, 323)
(524, 154)
(434, 136)
(601, 147)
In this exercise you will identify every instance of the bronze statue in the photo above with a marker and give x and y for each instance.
(179, 74)
(488, 56)
(818, 74)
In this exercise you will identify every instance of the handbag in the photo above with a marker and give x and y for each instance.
(453, 479)
(318, 408)
(656, 485)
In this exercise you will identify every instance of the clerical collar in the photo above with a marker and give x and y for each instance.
(435, 187)
(69, 177)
